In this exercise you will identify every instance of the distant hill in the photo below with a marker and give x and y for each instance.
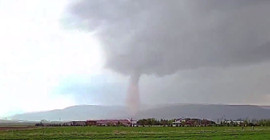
(80, 112)
(266, 107)
(4, 123)
(213, 112)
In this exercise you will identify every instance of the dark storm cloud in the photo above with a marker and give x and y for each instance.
(231, 85)
(162, 37)
(188, 43)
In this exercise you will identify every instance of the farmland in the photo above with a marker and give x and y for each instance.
(142, 133)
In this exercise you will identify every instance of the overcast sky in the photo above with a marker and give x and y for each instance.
(55, 54)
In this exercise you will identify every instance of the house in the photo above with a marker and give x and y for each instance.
(234, 122)
(67, 123)
(91, 122)
(192, 122)
(133, 123)
(78, 123)
(206, 122)
(177, 122)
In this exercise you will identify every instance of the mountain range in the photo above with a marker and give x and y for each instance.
(207, 111)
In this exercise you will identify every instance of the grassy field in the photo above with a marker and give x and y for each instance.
(138, 133)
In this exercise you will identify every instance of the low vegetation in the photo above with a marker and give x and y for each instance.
(142, 133)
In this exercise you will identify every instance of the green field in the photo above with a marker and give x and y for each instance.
(139, 133)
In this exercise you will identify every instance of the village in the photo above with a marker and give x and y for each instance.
(185, 122)
(152, 122)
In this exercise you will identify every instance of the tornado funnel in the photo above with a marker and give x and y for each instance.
(133, 96)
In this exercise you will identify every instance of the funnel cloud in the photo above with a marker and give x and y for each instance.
(133, 97)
